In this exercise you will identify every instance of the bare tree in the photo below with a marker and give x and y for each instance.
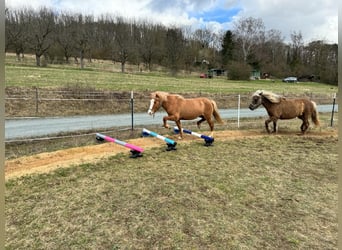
(296, 52)
(123, 36)
(66, 25)
(82, 34)
(249, 32)
(204, 36)
(271, 54)
(16, 31)
(174, 44)
(42, 24)
(149, 42)
(321, 61)
(274, 44)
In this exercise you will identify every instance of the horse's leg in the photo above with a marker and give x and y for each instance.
(305, 123)
(200, 121)
(165, 119)
(169, 118)
(266, 125)
(274, 120)
(211, 125)
(178, 123)
(275, 128)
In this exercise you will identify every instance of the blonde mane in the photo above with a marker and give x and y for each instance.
(163, 95)
(272, 97)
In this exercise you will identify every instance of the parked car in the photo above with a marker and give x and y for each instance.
(290, 79)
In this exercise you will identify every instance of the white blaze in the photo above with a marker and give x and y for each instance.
(151, 106)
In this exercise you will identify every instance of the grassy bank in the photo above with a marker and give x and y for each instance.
(275, 192)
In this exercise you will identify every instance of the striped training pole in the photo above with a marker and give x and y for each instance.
(207, 139)
(171, 144)
(135, 150)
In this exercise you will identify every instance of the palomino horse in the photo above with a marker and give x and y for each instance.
(178, 108)
(279, 107)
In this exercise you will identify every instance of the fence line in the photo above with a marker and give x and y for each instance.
(45, 96)
(92, 96)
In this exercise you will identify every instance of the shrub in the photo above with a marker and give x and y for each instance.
(239, 71)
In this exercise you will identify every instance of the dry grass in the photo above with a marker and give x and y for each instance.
(274, 192)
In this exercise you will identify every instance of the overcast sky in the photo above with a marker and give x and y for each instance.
(315, 19)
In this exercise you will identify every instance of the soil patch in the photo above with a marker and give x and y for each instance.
(45, 162)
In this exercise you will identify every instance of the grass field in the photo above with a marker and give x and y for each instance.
(273, 192)
(64, 77)
(269, 192)
(59, 90)
(104, 75)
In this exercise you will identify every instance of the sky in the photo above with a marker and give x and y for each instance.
(315, 20)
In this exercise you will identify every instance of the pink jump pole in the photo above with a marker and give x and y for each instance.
(135, 150)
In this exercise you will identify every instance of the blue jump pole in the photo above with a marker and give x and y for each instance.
(171, 144)
(207, 139)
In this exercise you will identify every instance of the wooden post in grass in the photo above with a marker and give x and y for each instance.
(333, 110)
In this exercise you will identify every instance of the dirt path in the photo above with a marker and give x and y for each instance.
(45, 162)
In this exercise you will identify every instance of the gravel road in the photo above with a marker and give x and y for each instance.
(35, 127)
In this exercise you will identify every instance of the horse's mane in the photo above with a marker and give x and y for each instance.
(163, 95)
(272, 97)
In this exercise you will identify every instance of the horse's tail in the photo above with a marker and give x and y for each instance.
(314, 114)
(216, 113)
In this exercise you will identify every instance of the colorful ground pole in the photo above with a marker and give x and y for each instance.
(135, 150)
(207, 139)
(171, 144)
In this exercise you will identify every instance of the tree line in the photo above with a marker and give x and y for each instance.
(64, 37)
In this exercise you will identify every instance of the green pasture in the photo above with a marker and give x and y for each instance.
(271, 192)
(106, 76)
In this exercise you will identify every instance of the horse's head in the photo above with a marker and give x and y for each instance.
(256, 100)
(155, 103)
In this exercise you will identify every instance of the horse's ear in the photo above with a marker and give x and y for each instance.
(153, 95)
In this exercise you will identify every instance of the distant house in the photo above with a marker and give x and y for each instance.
(216, 72)
(255, 74)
